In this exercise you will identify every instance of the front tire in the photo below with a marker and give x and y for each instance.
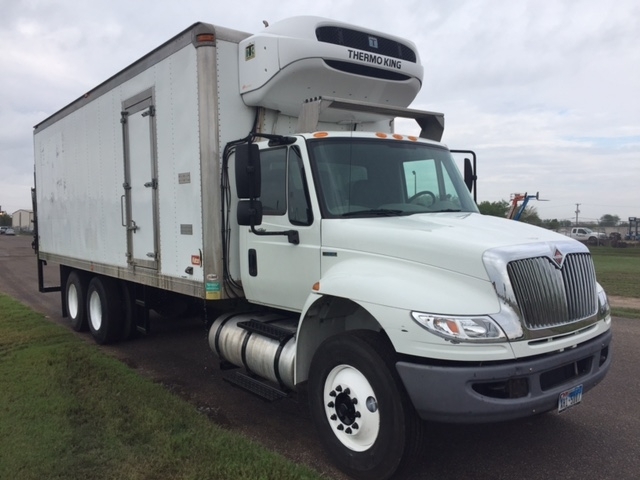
(104, 310)
(360, 408)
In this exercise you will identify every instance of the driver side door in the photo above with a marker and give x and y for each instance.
(274, 271)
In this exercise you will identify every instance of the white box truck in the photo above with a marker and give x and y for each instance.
(260, 176)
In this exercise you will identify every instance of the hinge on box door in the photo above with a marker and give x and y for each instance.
(153, 255)
(126, 186)
(123, 117)
(152, 184)
(150, 112)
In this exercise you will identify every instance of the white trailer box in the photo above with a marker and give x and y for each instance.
(127, 176)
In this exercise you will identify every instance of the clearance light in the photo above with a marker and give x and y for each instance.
(381, 135)
(397, 137)
(205, 37)
(413, 139)
(316, 287)
(321, 134)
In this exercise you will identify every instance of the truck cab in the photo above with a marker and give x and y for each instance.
(377, 237)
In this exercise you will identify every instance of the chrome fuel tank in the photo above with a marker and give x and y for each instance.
(262, 343)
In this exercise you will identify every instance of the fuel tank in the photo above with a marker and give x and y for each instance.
(262, 343)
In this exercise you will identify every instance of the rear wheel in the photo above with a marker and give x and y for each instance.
(75, 293)
(360, 409)
(104, 310)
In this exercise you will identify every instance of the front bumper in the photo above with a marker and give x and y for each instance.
(504, 391)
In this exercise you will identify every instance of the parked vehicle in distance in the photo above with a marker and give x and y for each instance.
(587, 235)
(3, 229)
(9, 231)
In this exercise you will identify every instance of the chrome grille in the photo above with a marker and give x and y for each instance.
(548, 296)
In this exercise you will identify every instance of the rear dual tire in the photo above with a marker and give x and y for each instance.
(75, 295)
(105, 310)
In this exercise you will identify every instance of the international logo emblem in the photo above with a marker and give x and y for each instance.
(558, 258)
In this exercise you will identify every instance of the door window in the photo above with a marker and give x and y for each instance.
(283, 185)
(273, 187)
(299, 206)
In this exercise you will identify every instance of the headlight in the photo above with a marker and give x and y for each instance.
(604, 310)
(461, 329)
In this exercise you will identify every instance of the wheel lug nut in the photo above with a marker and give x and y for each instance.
(354, 400)
(340, 427)
(347, 391)
(333, 417)
(355, 426)
(332, 393)
(339, 388)
(331, 404)
(358, 414)
(348, 431)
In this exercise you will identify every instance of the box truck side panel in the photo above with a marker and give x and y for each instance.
(180, 202)
(79, 184)
(85, 216)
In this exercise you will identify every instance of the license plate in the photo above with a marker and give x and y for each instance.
(569, 398)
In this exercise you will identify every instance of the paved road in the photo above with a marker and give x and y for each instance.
(599, 439)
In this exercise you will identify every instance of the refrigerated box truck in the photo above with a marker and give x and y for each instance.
(260, 178)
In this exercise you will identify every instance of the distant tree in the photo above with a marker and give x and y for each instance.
(551, 224)
(609, 220)
(5, 220)
(495, 209)
(530, 215)
(565, 223)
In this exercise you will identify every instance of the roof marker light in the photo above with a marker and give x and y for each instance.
(205, 37)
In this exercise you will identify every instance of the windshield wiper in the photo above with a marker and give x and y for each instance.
(375, 212)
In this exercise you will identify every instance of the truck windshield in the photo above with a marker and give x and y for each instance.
(358, 177)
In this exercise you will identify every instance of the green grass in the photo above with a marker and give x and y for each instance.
(67, 411)
(625, 312)
(618, 270)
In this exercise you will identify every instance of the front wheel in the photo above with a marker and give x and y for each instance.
(359, 406)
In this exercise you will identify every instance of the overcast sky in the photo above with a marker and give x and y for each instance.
(547, 92)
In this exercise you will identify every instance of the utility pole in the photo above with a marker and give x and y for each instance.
(577, 212)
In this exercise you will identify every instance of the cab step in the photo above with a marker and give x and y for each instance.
(257, 387)
(268, 330)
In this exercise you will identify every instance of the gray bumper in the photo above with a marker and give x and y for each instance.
(447, 393)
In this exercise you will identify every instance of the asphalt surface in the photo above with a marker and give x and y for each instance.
(599, 439)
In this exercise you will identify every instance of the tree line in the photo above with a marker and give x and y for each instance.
(530, 215)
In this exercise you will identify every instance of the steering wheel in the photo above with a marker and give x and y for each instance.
(419, 198)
